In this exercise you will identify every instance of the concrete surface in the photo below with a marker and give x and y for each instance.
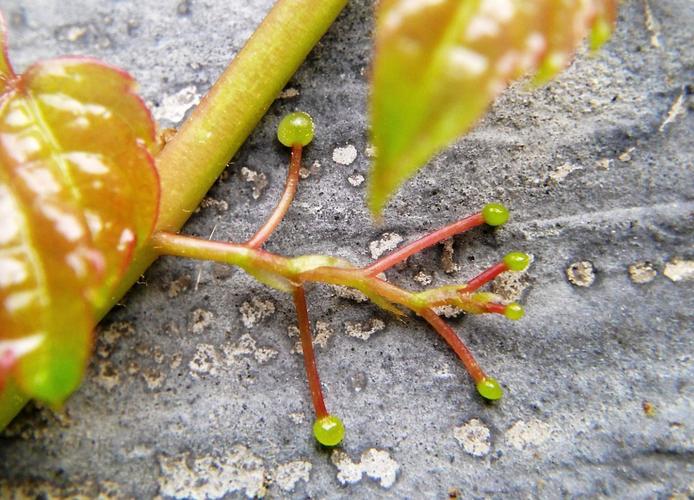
(195, 388)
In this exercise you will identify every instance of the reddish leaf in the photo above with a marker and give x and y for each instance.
(78, 193)
(439, 63)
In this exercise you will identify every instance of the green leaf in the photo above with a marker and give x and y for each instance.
(78, 194)
(438, 64)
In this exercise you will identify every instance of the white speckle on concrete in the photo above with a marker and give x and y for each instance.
(297, 417)
(626, 155)
(423, 278)
(356, 180)
(255, 311)
(581, 273)
(473, 436)
(174, 107)
(562, 171)
(287, 475)
(201, 319)
(74, 33)
(651, 24)
(679, 270)
(386, 243)
(642, 272)
(676, 110)
(259, 181)
(209, 477)
(376, 464)
(603, 164)
(365, 329)
(530, 434)
(345, 155)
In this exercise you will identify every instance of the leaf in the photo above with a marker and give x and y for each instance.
(78, 194)
(438, 64)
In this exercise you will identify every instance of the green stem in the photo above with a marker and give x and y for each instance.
(192, 161)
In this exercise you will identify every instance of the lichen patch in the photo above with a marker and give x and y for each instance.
(314, 169)
(522, 435)
(206, 361)
(153, 378)
(200, 320)
(107, 376)
(448, 311)
(679, 270)
(321, 336)
(255, 311)
(173, 107)
(287, 475)
(376, 464)
(364, 330)
(246, 345)
(258, 180)
(581, 273)
(511, 285)
(356, 180)
(288, 93)
(423, 278)
(105, 490)
(345, 155)
(562, 172)
(386, 243)
(108, 336)
(219, 205)
(642, 272)
(349, 293)
(208, 476)
(474, 437)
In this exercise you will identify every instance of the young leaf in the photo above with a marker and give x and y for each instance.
(439, 63)
(78, 193)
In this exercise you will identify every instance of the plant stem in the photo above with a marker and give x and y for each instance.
(234, 254)
(199, 152)
(261, 236)
(190, 163)
(307, 349)
(485, 277)
(399, 255)
(442, 328)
